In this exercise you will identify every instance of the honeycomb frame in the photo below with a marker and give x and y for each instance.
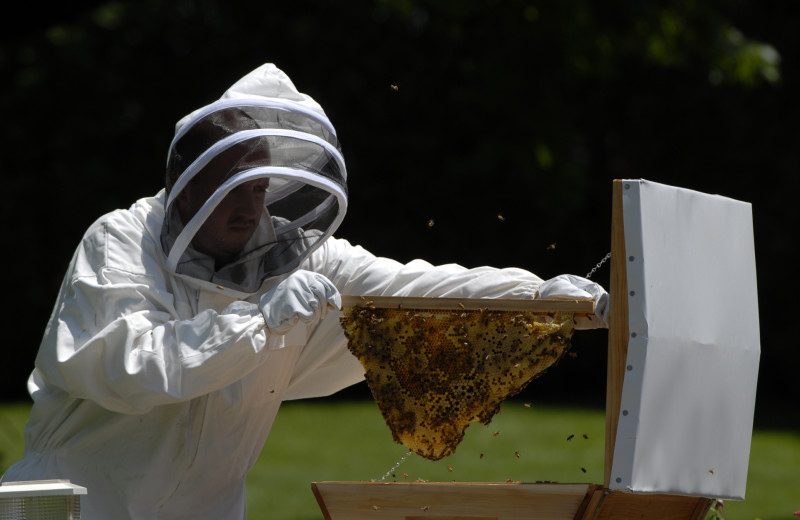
(441, 364)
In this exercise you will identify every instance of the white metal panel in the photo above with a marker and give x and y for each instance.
(688, 397)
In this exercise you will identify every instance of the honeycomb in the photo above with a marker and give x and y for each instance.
(432, 372)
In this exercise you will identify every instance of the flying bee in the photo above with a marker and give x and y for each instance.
(551, 246)
(394, 87)
(430, 223)
(570, 437)
(583, 469)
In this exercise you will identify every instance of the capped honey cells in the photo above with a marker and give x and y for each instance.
(432, 372)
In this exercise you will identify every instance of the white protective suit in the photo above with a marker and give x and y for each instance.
(157, 389)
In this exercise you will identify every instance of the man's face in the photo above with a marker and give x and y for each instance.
(234, 220)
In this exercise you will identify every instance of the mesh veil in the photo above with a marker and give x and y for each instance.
(235, 141)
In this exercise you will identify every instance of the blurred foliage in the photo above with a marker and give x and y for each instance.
(501, 121)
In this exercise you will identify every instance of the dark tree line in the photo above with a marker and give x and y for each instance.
(476, 132)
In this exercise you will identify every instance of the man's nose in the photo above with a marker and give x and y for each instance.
(246, 201)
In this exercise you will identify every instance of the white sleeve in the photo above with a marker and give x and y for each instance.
(115, 338)
(355, 270)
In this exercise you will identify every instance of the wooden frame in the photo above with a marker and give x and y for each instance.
(617, 328)
(451, 500)
(497, 501)
(537, 305)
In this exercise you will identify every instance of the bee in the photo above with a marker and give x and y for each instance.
(375, 508)
(425, 508)
(220, 287)
(430, 223)
(583, 469)
(501, 218)
(495, 434)
(585, 436)
(461, 305)
(551, 246)
(516, 454)
(527, 405)
(711, 471)
(481, 456)
(449, 468)
(405, 475)
(570, 437)
(394, 87)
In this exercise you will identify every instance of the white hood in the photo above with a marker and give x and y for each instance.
(265, 82)
(262, 127)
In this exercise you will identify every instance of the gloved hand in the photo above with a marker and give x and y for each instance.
(571, 287)
(303, 296)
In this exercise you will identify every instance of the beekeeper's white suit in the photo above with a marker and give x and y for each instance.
(161, 372)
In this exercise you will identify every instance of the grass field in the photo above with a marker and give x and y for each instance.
(332, 440)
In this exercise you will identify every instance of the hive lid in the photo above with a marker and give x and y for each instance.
(39, 488)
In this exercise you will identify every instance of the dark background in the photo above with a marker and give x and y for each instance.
(455, 111)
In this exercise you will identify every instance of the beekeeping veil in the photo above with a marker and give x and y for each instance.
(262, 127)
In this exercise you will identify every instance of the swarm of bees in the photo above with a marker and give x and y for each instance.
(433, 372)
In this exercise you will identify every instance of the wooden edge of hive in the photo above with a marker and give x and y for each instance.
(407, 302)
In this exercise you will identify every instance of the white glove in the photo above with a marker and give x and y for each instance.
(571, 287)
(303, 296)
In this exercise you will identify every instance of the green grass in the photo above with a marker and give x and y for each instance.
(332, 440)
(12, 440)
(349, 441)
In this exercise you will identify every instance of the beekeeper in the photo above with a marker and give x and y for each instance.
(184, 321)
